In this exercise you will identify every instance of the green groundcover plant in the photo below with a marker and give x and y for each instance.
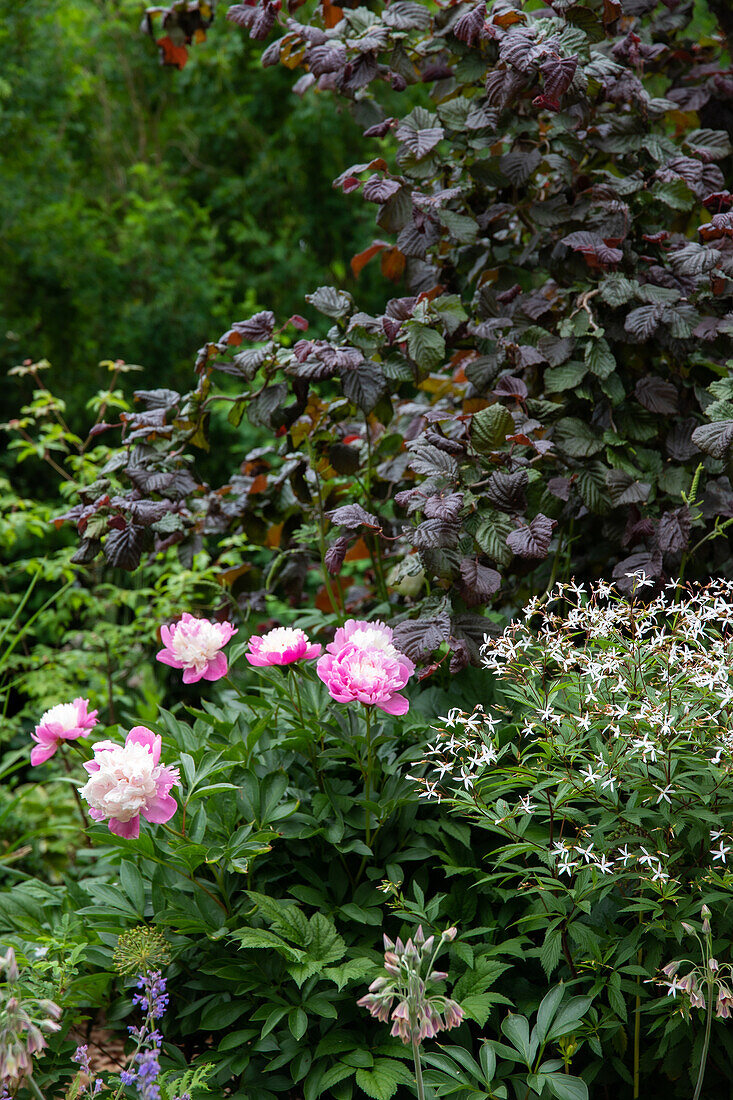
(265, 838)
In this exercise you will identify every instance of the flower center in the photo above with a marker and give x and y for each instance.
(195, 645)
(281, 639)
(64, 714)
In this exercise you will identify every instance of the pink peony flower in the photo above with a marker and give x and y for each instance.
(195, 645)
(371, 676)
(128, 780)
(281, 646)
(64, 722)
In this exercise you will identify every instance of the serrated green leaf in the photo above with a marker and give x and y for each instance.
(426, 345)
(599, 358)
(381, 1082)
(490, 427)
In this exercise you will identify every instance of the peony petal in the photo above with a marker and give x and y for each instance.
(394, 704)
(215, 669)
(128, 829)
(160, 809)
(167, 658)
(143, 736)
(257, 660)
(191, 676)
(41, 753)
(313, 651)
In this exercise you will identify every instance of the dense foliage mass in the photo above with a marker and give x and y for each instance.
(556, 373)
(141, 203)
(216, 863)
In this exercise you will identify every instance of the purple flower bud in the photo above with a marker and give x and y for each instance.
(670, 969)
(419, 935)
(450, 934)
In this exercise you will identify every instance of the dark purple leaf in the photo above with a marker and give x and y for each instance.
(558, 73)
(509, 386)
(593, 248)
(560, 487)
(679, 443)
(123, 548)
(656, 395)
(469, 27)
(714, 439)
(364, 385)
(417, 638)
(377, 189)
(644, 565)
(352, 516)
(444, 507)
(86, 551)
(157, 399)
(434, 534)
(479, 582)
(506, 491)
(533, 539)
(336, 553)
(257, 328)
(673, 531)
(146, 512)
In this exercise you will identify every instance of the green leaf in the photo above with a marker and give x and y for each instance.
(569, 1017)
(565, 1087)
(332, 1076)
(381, 1082)
(675, 194)
(546, 1012)
(565, 377)
(490, 427)
(516, 1029)
(576, 438)
(260, 937)
(297, 1022)
(425, 345)
(599, 358)
(551, 950)
(132, 883)
(491, 535)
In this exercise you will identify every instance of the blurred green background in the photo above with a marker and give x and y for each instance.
(143, 209)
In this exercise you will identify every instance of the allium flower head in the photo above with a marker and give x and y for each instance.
(370, 675)
(281, 646)
(64, 722)
(128, 780)
(139, 950)
(195, 645)
(421, 1012)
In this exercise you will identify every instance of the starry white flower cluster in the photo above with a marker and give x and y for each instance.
(611, 736)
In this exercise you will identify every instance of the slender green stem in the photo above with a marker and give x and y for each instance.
(77, 799)
(706, 1041)
(368, 774)
(33, 1087)
(418, 1067)
(637, 1030)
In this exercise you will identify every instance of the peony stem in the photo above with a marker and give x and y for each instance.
(77, 799)
(368, 774)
